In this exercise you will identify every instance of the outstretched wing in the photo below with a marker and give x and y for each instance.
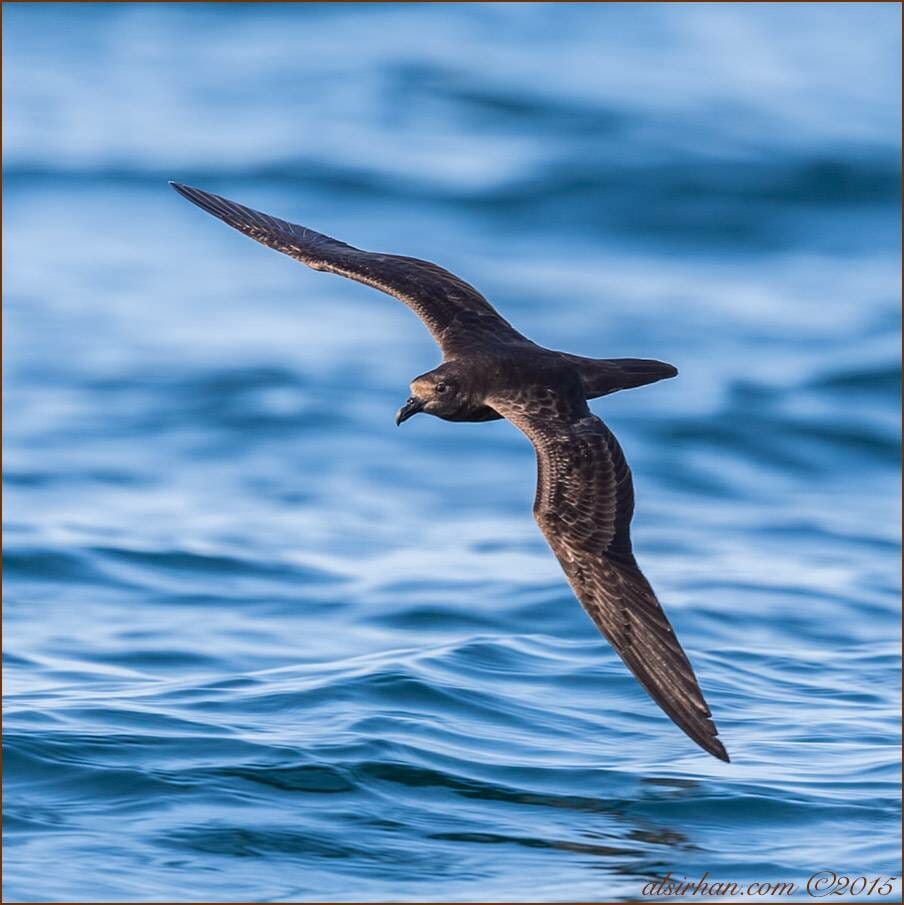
(584, 504)
(455, 313)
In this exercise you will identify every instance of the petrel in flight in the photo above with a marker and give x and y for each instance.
(585, 496)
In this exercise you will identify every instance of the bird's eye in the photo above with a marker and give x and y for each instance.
(441, 388)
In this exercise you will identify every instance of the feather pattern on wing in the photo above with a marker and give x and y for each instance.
(584, 505)
(455, 313)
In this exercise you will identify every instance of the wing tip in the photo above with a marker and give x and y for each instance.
(193, 194)
(235, 215)
(717, 749)
(705, 734)
(186, 191)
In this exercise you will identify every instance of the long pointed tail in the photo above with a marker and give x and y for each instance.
(602, 376)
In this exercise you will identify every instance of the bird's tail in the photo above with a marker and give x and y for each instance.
(602, 376)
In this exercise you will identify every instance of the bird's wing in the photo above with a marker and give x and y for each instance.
(584, 504)
(457, 315)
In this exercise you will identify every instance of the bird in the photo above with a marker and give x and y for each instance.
(584, 499)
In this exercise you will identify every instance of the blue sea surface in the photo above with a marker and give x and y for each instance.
(262, 645)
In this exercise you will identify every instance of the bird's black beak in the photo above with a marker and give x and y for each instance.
(411, 407)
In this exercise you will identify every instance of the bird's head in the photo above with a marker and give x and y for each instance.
(443, 392)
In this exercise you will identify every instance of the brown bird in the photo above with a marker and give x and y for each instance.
(585, 495)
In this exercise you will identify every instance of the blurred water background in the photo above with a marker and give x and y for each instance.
(262, 645)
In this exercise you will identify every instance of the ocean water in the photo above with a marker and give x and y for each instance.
(262, 645)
